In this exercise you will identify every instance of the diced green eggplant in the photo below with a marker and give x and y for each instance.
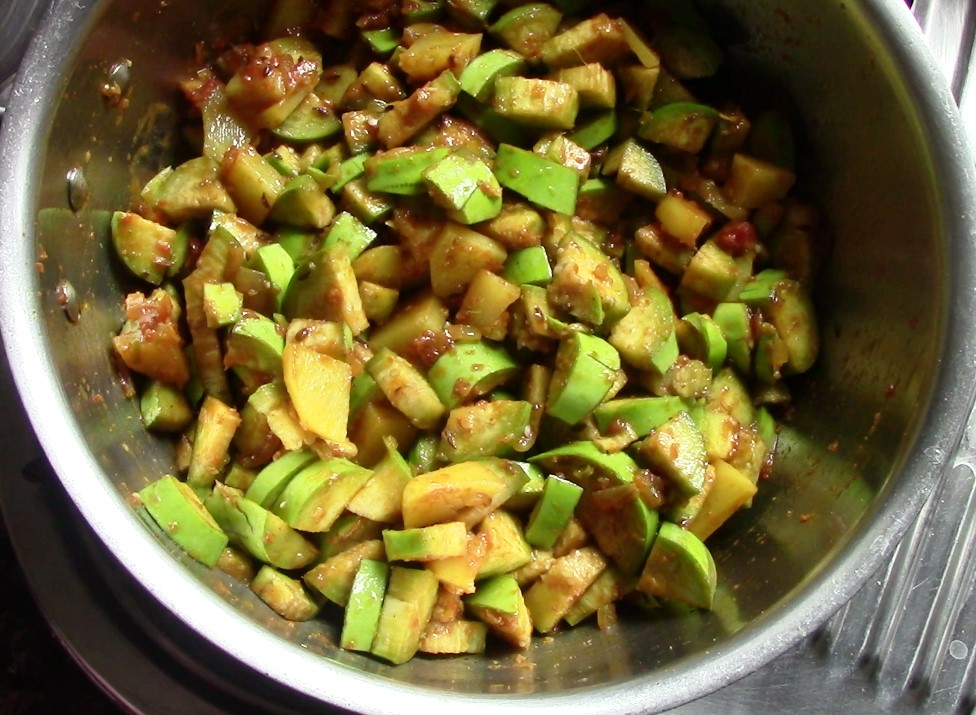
(499, 602)
(505, 546)
(565, 151)
(485, 429)
(669, 89)
(542, 181)
(528, 265)
(527, 27)
(465, 187)
(302, 203)
(558, 589)
(284, 595)
(714, 273)
(790, 310)
(381, 496)
(263, 534)
(148, 249)
(348, 531)
(594, 128)
(584, 463)
(406, 118)
(325, 289)
(470, 370)
(252, 182)
(236, 564)
(216, 423)
(426, 543)
(236, 230)
(417, 11)
(642, 414)
(641, 337)
(478, 78)
(719, 429)
(760, 286)
(552, 512)
(609, 587)
(731, 491)
(700, 337)
(255, 342)
(587, 283)
(594, 83)
(291, 67)
(620, 523)
(636, 170)
(362, 614)
(682, 125)
(178, 511)
(349, 170)
(661, 249)
(458, 255)
(401, 170)
(466, 491)
(753, 183)
(529, 494)
(486, 304)
(679, 567)
(368, 206)
(406, 388)
(539, 103)
(189, 191)
(273, 477)
(334, 82)
(314, 498)
(676, 450)
(382, 41)
(335, 576)
(533, 313)
(278, 265)
(500, 129)
(454, 637)
(382, 265)
(471, 14)
(378, 301)
(728, 393)
(285, 161)
(222, 304)
(424, 313)
(598, 39)
(406, 610)
(349, 233)
(771, 355)
(586, 368)
(164, 408)
(313, 120)
(638, 85)
(682, 218)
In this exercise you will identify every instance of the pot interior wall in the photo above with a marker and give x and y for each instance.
(881, 298)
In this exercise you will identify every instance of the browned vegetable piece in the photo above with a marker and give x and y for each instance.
(150, 341)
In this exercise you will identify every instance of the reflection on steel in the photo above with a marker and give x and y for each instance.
(950, 29)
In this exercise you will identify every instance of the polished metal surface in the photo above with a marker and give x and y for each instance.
(19, 20)
(875, 425)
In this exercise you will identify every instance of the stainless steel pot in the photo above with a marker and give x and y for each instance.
(876, 422)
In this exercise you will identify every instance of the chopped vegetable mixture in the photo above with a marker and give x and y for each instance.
(468, 317)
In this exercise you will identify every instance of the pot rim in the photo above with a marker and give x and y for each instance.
(23, 128)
